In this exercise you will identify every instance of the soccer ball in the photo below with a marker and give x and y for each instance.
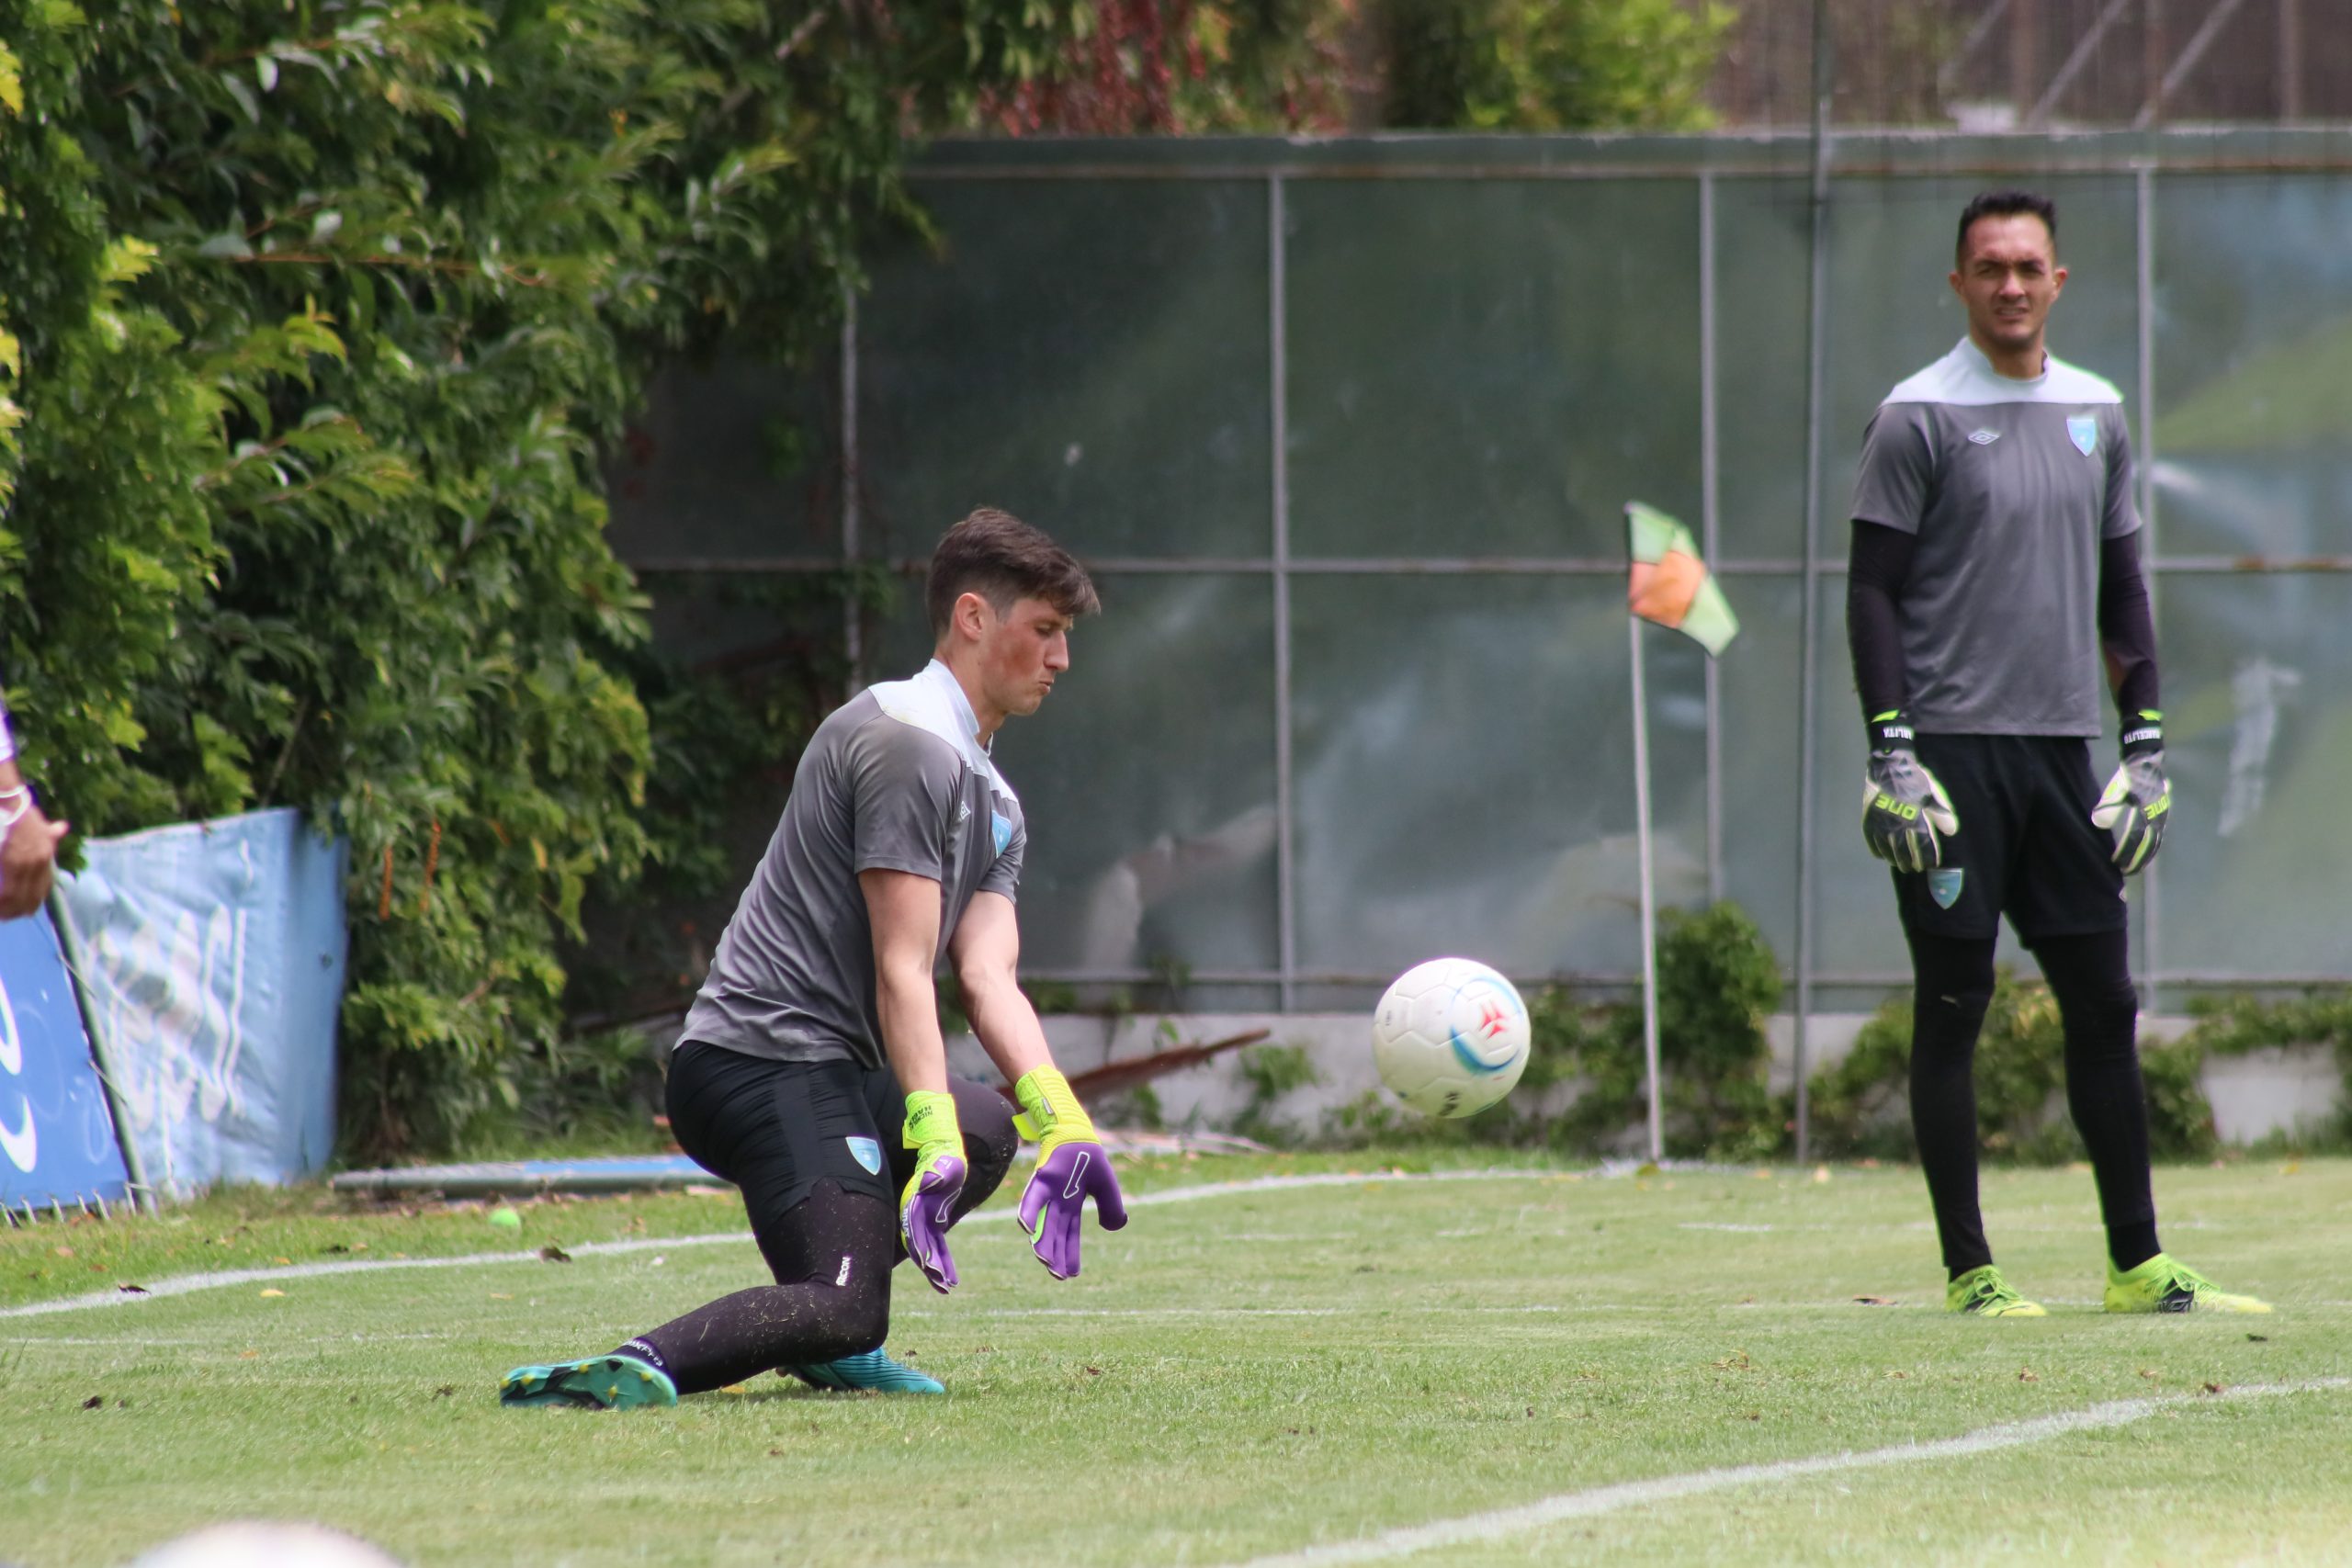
(259, 1543)
(1450, 1037)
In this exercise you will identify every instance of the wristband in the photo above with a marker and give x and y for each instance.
(1890, 731)
(1049, 1113)
(931, 1121)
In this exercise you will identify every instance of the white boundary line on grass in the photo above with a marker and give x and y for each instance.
(183, 1284)
(1503, 1522)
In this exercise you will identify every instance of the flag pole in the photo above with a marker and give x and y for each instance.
(1649, 892)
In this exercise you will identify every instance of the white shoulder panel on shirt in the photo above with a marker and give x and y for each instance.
(928, 702)
(1965, 379)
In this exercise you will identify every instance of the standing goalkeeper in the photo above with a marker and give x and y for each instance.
(1995, 564)
(812, 1074)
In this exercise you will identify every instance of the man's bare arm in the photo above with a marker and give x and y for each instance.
(903, 909)
(985, 950)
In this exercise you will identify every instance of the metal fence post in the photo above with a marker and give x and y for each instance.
(1709, 524)
(852, 613)
(1808, 657)
(1278, 372)
(2143, 180)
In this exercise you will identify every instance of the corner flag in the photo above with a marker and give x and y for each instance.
(1670, 584)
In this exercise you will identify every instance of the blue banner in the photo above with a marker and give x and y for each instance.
(213, 960)
(57, 1137)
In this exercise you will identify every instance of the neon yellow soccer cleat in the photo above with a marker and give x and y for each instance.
(2166, 1284)
(1985, 1294)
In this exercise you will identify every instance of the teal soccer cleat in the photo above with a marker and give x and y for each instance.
(599, 1382)
(871, 1371)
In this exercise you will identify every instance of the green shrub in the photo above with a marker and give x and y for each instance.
(1861, 1107)
(2237, 1025)
(1271, 1071)
(1717, 984)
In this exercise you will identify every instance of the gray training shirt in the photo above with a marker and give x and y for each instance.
(896, 779)
(2011, 487)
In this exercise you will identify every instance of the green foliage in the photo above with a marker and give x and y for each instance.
(1271, 1071)
(2235, 1025)
(100, 558)
(1718, 982)
(1120, 67)
(313, 316)
(596, 1090)
(726, 735)
(1551, 64)
(1139, 1107)
(2238, 1025)
(1860, 1106)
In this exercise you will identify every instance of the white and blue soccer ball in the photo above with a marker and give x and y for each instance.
(1451, 1037)
(264, 1543)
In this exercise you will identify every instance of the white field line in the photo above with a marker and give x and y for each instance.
(1231, 1312)
(277, 1341)
(183, 1284)
(1503, 1522)
(2086, 1227)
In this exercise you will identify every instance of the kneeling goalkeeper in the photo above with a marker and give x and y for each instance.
(811, 1072)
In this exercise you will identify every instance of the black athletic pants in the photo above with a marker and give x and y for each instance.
(797, 1137)
(2026, 850)
(2092, 981)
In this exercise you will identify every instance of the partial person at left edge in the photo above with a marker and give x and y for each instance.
(29, 841)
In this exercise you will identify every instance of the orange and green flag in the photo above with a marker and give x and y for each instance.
(1670, 584)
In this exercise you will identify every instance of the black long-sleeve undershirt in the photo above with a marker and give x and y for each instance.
(1880, 564)
(2127, 628)
(1876, 570)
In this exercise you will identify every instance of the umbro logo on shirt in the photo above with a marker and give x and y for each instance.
(963, 812)
(1983, 437)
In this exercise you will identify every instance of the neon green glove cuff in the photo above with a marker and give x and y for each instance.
(932, 1125)
(1049, 1113)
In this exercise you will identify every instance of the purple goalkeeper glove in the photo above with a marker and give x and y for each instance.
(1073, 1168)
(926, 1207)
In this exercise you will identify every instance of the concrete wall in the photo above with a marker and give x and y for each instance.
(2297, 1089)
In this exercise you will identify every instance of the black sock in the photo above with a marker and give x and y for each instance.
(2091, 978)
(643, 1350)
(834, 1259)
(2128, 1246)
(1952, 986)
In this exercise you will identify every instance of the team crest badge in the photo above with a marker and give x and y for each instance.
(1943, 886)
(868, 1153)
(2084, 429)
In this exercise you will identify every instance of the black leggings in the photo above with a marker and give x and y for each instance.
(2090, 976)
(827, 1232)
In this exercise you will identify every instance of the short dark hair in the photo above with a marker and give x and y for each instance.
(2006, 204)
(1003, 559)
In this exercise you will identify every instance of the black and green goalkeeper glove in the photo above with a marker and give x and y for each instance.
(1905, 813)
(2137, 800)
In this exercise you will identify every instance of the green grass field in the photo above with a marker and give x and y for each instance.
(1249, 1374)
